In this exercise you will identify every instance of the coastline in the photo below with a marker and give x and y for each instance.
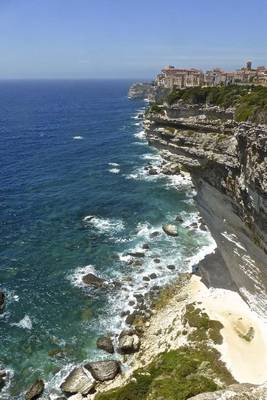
(244, 332)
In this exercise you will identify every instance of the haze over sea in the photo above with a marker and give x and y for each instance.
(71, 150)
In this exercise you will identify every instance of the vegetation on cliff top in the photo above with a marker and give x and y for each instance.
(250, 102)
(175, 375)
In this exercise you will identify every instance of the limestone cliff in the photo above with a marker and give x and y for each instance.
(228, 164)
(147, 91)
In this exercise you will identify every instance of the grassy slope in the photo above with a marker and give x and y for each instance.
(250, 101)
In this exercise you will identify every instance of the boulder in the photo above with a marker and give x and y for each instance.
(131, 318)
(105, 343)
(2, 301)
(170, 229)
(129, 342)
(157, 260)
(104, 370)
(171, 267)
(93, 280)
(153, 276)
(179, 219)
(35, 390)
(78, 381)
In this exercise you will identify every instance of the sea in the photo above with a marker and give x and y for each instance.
(76, 198)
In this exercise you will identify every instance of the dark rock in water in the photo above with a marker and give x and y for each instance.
(137, 263)
(104, 370)
(139, 297)
(131, 303)
(153, 276)
(78, 381)
(124, 313)
(2, 301)
(35, 390)
(91, 279)
(171, 267)
(105, 343)
(146, 278)
(156, 260)
(170, 229)
(179, 219)
(136, 254)
(194, 225)
(152, 171)
(146, 246)
(129, 342)
(3, 376)
(154, 234)
(203, 227)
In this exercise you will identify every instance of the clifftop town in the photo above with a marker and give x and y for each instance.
(171, 77)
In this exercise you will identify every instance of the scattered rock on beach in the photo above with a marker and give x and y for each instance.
(78, 381)
(35, 390)
(103, 370)
(93, 280)
(129, 342)
(105, 343)
(170, 229)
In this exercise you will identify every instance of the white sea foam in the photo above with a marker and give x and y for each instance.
(114, 170)
(140, 135)
(151, 157)
(77, 137)
(202, 253)
(113, 164)
(104, 225)
(24, 323)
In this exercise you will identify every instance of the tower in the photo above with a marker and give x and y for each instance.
(249, 65)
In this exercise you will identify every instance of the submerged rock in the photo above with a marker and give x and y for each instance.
(78, 381)
(129, 342)
(146, 246)
(170, 229)
(2, 301)
(136, 254)
(104, 370)
(154, 234)
(91, 279)
(105, 343)
(35, 390)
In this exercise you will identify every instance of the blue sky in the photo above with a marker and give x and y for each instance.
(127, 38)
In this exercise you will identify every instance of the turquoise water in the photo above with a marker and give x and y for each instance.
(69, 150)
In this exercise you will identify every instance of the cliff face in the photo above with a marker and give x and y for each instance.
(146, 91)
(228, 164)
